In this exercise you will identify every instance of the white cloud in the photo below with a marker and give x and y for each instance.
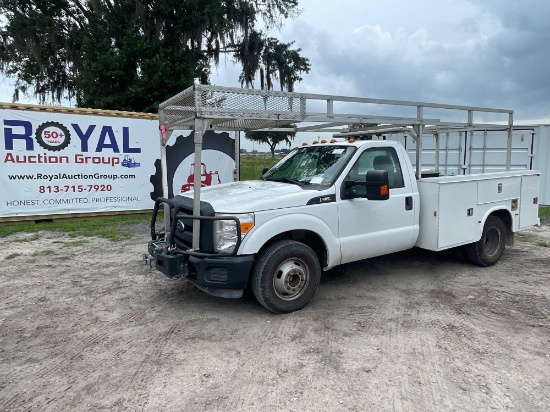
(485, 53)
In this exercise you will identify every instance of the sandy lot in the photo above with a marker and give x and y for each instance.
(88, 327)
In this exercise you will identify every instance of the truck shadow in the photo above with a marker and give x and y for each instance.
(385, 265)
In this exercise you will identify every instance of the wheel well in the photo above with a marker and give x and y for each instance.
(506, 218)
(307, 237)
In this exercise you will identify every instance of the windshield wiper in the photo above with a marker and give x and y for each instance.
(288, 180)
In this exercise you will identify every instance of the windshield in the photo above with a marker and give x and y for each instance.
(315, 165)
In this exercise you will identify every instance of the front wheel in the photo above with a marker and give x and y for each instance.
(488, 250)
(286, 276)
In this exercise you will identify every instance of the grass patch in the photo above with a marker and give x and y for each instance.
(110, 227)
(44, 252)
(28, 239)
(532, 240)
(12, 256)
(544, 214)
(251, 166)
(31, 260)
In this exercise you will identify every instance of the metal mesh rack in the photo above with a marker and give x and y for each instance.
(232, 108)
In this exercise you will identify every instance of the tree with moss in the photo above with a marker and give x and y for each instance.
(271, 138)
(274, 61)
(134, 54)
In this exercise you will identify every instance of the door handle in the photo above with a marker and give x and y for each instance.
(408, 203)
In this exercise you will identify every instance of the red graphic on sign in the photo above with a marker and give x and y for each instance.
(207, 178)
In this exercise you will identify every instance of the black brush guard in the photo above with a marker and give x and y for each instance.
(172, 259)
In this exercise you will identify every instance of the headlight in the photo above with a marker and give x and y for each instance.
(225, 231)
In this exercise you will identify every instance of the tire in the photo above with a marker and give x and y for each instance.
(286, 276)
(488, 250)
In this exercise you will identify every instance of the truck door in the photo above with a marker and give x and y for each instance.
(370, 228)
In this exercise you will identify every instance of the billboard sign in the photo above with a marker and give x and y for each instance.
(60, 163)
(56, 163)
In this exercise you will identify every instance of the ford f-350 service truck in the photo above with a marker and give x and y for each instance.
(328, 204)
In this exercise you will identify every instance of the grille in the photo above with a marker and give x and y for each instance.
(184, 229)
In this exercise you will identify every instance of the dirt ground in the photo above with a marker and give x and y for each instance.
(88, 327)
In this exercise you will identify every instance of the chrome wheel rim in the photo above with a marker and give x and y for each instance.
(291, 279)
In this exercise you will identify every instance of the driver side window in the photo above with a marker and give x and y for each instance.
(384, 158)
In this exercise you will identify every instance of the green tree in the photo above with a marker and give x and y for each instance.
(126, 54)
(274, 61)
(282, 63)
(272, 138)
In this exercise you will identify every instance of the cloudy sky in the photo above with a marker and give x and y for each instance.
(493, 53)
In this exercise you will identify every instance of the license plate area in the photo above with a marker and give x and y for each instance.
(172, 266)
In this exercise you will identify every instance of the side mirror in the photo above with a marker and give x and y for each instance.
(264, 170)
(375, 187)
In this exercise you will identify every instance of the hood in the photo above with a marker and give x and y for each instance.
(254, 195)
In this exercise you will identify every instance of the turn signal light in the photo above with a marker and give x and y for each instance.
(245, 227)
(384, 190)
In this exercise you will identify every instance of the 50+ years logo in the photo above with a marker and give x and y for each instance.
(53, 136)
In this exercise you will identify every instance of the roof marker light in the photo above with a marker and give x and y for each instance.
(323, 141)
(333, 140)
(304, 144)
(315, 142)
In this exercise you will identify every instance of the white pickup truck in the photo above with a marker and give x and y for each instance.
(324, 205)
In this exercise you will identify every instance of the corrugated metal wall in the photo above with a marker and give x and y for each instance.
(541, 161)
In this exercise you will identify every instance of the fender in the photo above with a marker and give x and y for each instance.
(259, 235)
(479, 230)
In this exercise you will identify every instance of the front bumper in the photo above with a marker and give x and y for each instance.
(219, 274)
(224, 276)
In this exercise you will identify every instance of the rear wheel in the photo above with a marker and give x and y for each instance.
(286, 276)
(488, 250)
